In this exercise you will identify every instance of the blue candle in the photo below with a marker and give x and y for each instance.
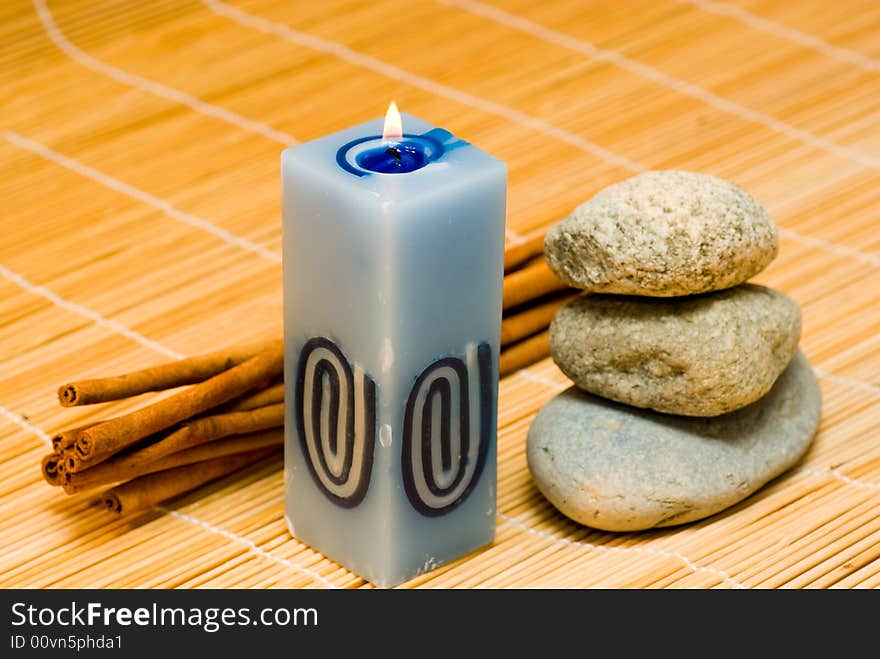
(393, 270)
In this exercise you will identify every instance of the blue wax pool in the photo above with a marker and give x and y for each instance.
(396, 158)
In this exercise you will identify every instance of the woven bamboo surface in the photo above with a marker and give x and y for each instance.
(141, 221)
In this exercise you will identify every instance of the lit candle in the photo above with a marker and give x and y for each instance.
(393, 270)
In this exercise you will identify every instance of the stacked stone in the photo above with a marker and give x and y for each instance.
(690, 390)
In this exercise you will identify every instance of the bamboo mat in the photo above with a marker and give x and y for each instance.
(140, 221)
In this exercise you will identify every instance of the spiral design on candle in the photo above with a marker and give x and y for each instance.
(335, 411)
(446, 432)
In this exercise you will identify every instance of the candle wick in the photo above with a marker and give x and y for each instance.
(393, 152)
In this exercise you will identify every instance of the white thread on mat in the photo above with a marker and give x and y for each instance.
(229, 237)
(849, 382)
(395, 72)
(22, 423)
(61, 41)
(672, 82)
(253, 547)
(94, 316)
(135, 193)
(344, 52)
(151, 86)
(693, 567)
(843, 478)
(513, 236)
(540, 379)
(784, 31)
(835, 248)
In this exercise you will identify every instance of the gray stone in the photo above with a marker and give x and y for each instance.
(701, 355)
(663, 233)
(618, 468)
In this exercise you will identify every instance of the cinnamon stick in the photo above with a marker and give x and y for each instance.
(192, 433)
(524, 353)
(268, 396)
(529, 283)
(65, 439)
(49, 468)
(530, 320)
(150, 489)
(209, 428)
(520, 252)
(114, 471)
(105, 439)
(157, 378)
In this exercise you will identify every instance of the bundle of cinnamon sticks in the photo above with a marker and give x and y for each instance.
(231, 412)
(532, 295)
(230, 417)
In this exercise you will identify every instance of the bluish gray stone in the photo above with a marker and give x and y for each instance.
(619, 468)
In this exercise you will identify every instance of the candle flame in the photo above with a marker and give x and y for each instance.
(393, 129)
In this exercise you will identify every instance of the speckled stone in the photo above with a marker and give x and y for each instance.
(701, 355)
(663, 233)
(619, 468)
